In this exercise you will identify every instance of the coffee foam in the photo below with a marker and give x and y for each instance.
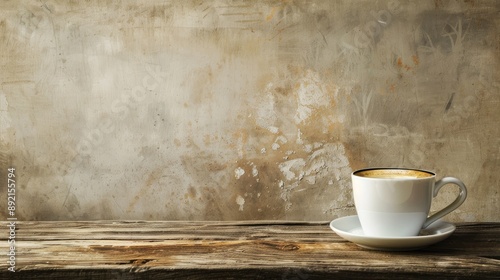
(393, 173)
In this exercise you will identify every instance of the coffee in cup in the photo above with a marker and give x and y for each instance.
(395, 202)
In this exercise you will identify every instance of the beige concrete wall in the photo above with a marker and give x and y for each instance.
(228, 110)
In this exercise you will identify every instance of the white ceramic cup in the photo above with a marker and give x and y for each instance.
(395, 202)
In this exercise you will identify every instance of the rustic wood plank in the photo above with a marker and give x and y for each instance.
(243, 250)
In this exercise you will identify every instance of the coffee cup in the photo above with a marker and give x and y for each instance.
(395, 202)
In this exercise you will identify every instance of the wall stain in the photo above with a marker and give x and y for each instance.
(262, 112)
(448, 105)
(152, 178)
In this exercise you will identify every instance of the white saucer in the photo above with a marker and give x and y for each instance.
(350, 229)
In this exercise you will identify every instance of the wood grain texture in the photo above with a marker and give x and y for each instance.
(242, 250)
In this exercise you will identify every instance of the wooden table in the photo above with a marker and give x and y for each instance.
(236, 250)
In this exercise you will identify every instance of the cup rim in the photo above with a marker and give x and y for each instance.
(432, 174)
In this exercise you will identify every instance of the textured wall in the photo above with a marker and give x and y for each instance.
(223, 110)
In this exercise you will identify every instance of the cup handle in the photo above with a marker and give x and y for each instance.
(454, 205)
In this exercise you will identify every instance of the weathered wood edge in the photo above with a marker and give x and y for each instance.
(275, 232)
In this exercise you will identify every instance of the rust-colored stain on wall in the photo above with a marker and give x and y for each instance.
(229, 110)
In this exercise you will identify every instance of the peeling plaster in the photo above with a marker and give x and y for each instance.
(221, 111)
